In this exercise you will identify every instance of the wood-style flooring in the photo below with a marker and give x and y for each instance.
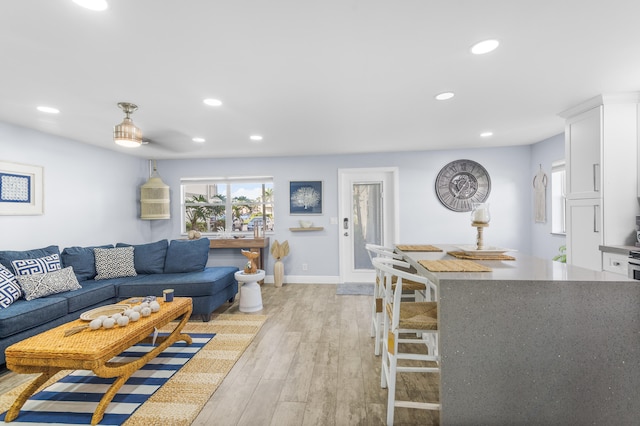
(312, 363)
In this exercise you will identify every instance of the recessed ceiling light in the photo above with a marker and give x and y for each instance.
(199, 140)
(212, 102)
(444, 96)
(486, 134)
(48, 110)
(255, 137)
(485, 46)
(97, 5)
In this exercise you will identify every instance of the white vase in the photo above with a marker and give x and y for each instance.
(278, 273)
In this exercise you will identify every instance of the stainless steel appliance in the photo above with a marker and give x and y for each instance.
(634, 264)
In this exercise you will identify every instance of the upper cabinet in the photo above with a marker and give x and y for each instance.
(583, 134)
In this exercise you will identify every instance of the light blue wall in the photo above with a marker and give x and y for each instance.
(90, 194)
(543, 243)
(422, 218)
(92, 197)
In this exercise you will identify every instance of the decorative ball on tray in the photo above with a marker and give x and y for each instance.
(119, 315)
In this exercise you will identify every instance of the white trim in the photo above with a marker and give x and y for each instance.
(392, 229)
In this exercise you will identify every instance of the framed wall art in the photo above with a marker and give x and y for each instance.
(21, 191)
(305, 197)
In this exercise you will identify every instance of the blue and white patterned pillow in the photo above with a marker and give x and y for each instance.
(40, 265)
(9, 288)
(114, 263)
(35, 286)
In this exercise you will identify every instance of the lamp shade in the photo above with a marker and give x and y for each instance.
(154, 198)
(126, 133)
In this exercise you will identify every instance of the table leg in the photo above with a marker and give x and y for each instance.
(29, 390)
(124, 370)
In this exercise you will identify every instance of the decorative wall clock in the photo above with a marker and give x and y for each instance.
(462, 183)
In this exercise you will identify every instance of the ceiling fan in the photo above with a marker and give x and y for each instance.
(129, 135)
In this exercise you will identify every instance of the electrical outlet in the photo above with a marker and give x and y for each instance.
(305, 266)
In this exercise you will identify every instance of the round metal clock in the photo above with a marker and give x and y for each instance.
(462, 183)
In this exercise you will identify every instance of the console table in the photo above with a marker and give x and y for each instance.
(252, 244)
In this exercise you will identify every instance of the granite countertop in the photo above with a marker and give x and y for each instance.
(524, 268)
(618, 249)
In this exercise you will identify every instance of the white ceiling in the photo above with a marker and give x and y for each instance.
(312, 77)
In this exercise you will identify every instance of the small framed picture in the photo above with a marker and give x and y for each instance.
(305, 197)
(21, 191)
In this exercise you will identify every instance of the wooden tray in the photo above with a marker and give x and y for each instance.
(480, 256)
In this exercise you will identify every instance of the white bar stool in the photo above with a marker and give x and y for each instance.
(418, 291)
(407, 318)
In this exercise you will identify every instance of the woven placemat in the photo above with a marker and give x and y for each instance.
(479, 256)
(417, 247)
(453, 266)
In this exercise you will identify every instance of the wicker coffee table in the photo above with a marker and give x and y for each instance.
(50, 352)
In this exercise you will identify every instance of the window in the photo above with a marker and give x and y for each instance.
(558, 197)
(227, 205)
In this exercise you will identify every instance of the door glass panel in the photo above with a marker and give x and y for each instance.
(367, 221)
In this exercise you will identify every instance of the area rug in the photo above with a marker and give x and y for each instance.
(355, 289)
(180, 399)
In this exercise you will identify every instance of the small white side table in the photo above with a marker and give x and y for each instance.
(250, 293)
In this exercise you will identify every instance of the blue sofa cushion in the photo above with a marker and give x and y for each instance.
(7, 256)
(9, 288)
(23, 315)
(208, 282)
(82, 259)
(187, 256)
(149, 258)
(92, 292)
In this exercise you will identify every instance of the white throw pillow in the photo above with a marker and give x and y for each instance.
(114, 262)
(35, 286)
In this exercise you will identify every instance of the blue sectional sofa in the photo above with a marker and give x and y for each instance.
(105, 275)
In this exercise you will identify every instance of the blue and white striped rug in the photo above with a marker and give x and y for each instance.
(74, 398)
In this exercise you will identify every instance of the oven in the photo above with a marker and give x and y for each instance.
(634, 264)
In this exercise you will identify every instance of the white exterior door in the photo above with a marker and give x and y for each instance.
(368, 212)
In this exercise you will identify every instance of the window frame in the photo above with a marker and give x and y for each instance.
(558, 197)
(265, 204)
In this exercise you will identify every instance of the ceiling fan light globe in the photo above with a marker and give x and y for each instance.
(127, 134)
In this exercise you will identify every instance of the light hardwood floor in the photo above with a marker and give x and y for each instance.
(313, 364)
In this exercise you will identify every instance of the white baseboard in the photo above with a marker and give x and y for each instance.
(305, 279)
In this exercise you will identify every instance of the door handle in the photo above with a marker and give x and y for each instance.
(345, 223)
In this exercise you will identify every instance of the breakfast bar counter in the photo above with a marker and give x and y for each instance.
(536, 342)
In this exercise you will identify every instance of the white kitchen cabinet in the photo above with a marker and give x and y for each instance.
(601, 148)
(584, 236)
(614, 262)
(583, 134)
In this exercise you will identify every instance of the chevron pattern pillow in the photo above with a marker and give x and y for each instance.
(35, 286)
(114, 263)
(9, 288)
